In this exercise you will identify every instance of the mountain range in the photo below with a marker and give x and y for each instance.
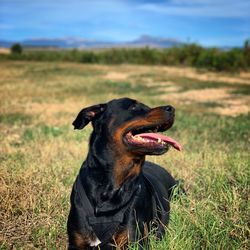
(78, 43)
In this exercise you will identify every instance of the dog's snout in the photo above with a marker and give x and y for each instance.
(169, 109)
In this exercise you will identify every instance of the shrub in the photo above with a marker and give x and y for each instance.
(16, 48)
(186, 55)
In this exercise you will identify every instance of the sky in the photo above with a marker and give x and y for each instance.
(207, 22)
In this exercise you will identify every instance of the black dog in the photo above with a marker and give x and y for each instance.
(117, 196)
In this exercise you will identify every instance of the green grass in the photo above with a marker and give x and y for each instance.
(243, 90)
(211, 104)
(42, 131)
(15, 118)
(40, 156)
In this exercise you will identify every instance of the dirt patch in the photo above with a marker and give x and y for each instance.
(207, 76)
(230, 104)
(55, 113)
(116, 76)
(167, 86)
(203, 95)
(49, 108)
(234, 107)
(4, 51)
(125, 71)
(245, 75)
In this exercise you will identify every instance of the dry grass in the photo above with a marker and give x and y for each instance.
(40, 154)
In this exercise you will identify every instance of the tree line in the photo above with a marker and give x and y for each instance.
(194, 55)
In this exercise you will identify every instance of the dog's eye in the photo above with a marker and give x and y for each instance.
(134, 107)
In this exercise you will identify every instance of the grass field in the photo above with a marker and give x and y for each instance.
(40, 154)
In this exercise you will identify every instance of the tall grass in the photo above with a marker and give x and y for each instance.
(40, 156)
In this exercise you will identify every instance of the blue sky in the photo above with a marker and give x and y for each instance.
(208, 22)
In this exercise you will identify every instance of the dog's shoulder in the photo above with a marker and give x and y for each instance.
(155, 171)
(159, 178)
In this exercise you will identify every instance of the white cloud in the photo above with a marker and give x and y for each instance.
(206, 8)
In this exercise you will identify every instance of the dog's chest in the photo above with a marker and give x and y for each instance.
(95, 242)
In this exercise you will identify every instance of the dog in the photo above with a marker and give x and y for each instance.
(118, 197)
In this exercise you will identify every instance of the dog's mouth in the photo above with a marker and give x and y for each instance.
(149, 139)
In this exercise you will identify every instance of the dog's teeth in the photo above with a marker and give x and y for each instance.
(138, 138)
(159, 140)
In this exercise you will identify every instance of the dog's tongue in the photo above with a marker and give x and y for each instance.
(164, 138)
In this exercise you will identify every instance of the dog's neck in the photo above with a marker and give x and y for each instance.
(111, 178)
(116, 166)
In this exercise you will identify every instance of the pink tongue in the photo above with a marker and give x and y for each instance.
(164, 138)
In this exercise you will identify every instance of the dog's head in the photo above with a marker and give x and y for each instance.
(129, 127)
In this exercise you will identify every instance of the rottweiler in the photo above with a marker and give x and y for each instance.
(118, 197)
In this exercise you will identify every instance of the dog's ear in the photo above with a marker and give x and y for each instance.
(87, 115)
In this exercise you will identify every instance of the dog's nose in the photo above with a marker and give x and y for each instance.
(169, 109)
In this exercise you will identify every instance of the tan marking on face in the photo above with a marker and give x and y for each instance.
(156, 116)
(128, 164)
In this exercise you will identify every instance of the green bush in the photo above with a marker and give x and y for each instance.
(186, 55)
(16, 48)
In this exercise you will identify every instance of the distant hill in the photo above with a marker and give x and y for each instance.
(154, 42)
(67, 43)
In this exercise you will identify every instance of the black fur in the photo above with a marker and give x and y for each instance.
(105, 207)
